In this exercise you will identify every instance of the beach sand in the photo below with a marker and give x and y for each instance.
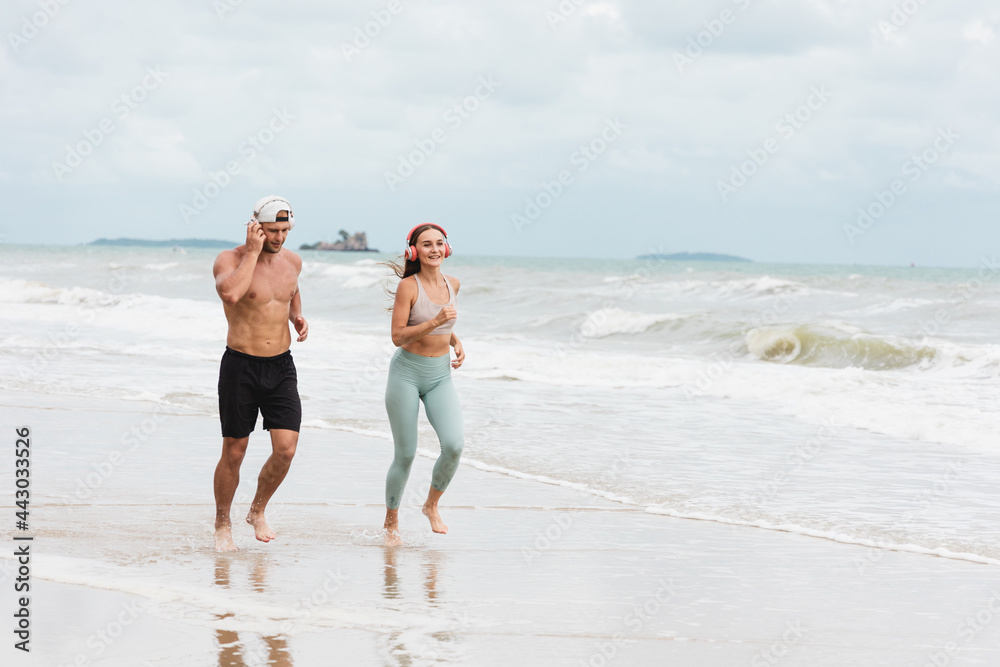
(124, 573)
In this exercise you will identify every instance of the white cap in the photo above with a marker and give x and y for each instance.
(267, 208)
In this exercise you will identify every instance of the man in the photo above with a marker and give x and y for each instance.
(258, 284)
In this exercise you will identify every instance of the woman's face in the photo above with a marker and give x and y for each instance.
(431, 247)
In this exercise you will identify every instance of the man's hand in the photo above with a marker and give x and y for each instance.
(301, 327)
(255, 237)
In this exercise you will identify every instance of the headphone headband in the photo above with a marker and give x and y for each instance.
(424, 224)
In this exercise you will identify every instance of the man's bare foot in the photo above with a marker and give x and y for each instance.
(261, 530)
(224, 538)
(437, 525)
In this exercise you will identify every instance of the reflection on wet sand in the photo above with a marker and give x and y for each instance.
(233, 653)
(412, 647)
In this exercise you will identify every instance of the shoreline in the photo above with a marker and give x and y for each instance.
(529, 572)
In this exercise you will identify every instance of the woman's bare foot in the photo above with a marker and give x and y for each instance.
(437, 525)
(431, 511)
(261, 530)
(224, 537)
(391, 526)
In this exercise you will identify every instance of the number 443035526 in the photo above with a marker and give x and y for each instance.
(22, 472)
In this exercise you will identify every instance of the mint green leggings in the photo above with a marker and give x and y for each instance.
(413, 378)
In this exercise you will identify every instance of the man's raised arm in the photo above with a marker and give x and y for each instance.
(232, 279)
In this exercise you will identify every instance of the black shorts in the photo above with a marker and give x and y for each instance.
(248, 384)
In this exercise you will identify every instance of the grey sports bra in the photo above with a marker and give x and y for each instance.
(424, 309)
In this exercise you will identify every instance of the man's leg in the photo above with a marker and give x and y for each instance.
(283, 443)
(227, 478)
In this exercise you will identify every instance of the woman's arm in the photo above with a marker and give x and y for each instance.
(454, 341)
(459, 351)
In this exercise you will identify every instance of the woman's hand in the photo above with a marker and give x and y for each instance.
(459, 355)
(445, 315)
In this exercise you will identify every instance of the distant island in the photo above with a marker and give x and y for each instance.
(695, 257)
(172, 243)
(347, 243)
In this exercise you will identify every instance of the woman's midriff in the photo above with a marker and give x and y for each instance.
(430, 345)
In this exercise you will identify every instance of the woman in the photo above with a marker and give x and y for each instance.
(423, 315)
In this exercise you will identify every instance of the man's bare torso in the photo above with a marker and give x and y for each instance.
(258, 322)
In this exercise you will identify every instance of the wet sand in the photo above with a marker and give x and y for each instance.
(124, 572)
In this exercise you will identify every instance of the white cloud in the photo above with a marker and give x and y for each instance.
(355, 117)
(978, 31)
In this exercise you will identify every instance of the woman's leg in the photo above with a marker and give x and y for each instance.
(445, 414)
(402, 404)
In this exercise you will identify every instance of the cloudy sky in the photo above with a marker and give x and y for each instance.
(833, 131)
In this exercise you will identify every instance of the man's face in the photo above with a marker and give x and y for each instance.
(276, 232)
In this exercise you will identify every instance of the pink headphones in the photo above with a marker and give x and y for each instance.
(410, 254)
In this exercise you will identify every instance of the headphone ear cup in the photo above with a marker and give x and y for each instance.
(408, 254)
(447, 250)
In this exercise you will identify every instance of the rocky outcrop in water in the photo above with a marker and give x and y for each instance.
(356, 243)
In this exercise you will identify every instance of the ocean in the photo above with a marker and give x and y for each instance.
(853, 404)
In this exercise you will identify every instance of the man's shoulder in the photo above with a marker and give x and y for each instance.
(229, 256)
(292, 257)
(233, 252)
